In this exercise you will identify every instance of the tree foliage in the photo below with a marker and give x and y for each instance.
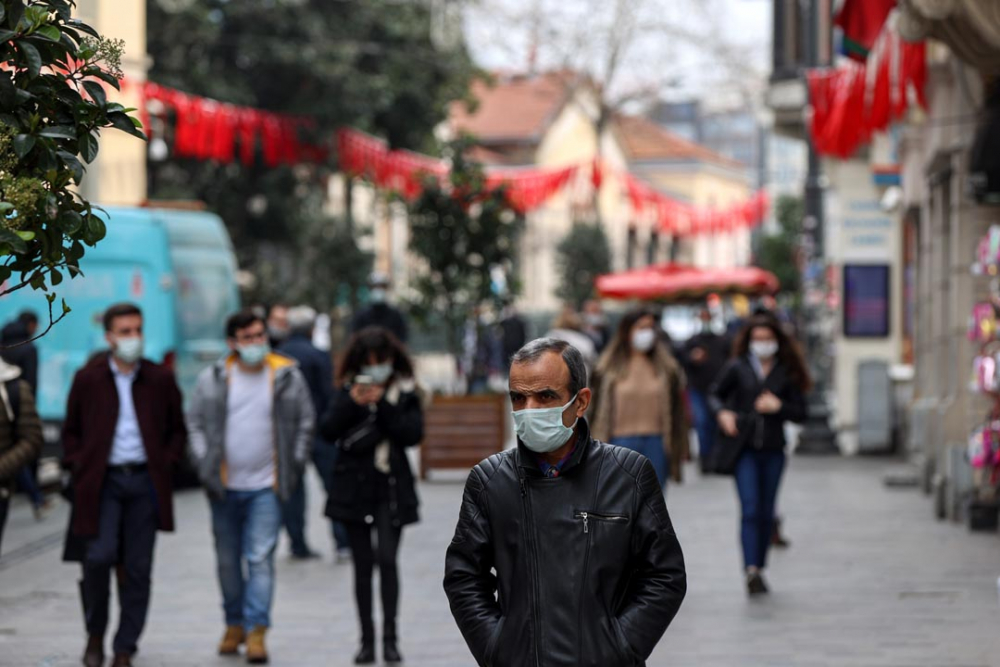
(779, 252)
(583, 255)
(370, 65)
(54, 74)
(460, 234)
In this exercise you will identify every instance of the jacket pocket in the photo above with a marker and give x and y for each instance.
(624, 648)
(585, 517)
(494, 645)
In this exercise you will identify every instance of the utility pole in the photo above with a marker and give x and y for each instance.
(817, 437)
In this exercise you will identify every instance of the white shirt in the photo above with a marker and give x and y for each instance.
(126, 448)
(250, 453)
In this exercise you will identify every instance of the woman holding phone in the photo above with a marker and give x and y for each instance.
(761, 388)
(376, 413)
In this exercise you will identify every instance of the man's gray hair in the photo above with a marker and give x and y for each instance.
(534, 350)
(301, 320)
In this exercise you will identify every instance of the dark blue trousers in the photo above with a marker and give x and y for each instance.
(126, 538)
(758, 475)
(325, 458)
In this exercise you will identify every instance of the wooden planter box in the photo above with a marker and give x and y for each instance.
(461, 431)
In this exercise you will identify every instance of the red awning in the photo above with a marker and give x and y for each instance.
(676, 282)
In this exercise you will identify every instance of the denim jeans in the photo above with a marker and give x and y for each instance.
(27, 482)
(650, 446)
(246, 525)
(704, 425)
(758, 474)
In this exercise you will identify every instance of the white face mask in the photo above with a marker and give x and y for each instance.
(643, 340)
(763, 349)
(378, 295)
(128, 350)
(379, 373)
(542, 429)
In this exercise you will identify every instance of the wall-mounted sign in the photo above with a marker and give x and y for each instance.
(866, 300)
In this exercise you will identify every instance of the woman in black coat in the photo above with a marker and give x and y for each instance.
(374, 416)
(759, 390)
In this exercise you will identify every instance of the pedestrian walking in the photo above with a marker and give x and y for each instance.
(595, 324)
(251, 422)
(381, 313)
(20, 434)
(374, 417)
(513, 332)
(123, 434)
(705, 354)
(760, 389)
(564, 553)
(317, 369)
(639, 396)
(277, 325)
(568, 326)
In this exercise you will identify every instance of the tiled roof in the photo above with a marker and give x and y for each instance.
(642, 139)
(512, 109)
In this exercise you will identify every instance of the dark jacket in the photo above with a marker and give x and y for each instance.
(701, 375)
(89, 429)
(20, 439)
(18, 352)
(381, 315)
(315, 366)
(738, 387)
(358, 486)
(588, 571)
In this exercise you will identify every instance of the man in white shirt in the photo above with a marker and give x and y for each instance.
(251, 423)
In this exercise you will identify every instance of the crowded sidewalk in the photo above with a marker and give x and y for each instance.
(871, 580)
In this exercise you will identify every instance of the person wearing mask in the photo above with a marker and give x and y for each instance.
(277, 325)
(564, 553)
(20, 433)
(761, 388)
(595, 324)
(317, 369)
(704, 354)
(251, 421)
(124, 432)
(375, 415)
(513, 332)
(639, 396)
(380, 313)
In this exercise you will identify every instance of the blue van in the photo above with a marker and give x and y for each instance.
(177, 265)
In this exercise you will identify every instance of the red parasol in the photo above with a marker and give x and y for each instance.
(677, 282)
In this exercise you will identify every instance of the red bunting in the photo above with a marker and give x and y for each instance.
(853, 101)
(209, 130)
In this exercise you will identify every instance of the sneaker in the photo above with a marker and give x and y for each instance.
(343, 556)
(44, 509)
(756, 584)
(308, 554)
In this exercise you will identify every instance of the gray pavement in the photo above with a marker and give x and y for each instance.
(871, 580)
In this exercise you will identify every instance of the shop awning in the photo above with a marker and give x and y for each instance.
(678, 283)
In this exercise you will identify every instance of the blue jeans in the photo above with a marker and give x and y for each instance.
(758, 474)
(325, 458)
(704, 425)
(246, 526)
(650, 446)
(27, 482)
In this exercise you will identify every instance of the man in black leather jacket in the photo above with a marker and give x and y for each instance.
(588, 570)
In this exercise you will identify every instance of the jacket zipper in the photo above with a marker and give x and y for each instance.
(586, 516)
(530, 529)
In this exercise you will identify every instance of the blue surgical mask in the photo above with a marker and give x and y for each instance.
(378, 295)
(542, 429)
(128, 350)
(253, 355)
(379, 373)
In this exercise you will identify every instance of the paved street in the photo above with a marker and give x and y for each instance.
(871, 580)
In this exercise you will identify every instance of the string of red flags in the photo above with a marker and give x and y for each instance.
(851, 102)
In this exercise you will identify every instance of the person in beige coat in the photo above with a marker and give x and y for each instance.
(639, 396)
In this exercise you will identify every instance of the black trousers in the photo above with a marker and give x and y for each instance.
(126, 537)
(365, 557)
(4, 505)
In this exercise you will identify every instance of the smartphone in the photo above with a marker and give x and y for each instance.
(364, 380)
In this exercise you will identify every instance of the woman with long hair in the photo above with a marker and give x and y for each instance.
(375, 414)
(762, 387)
(639, 395)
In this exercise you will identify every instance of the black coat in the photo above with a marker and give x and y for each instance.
(19, 353)
(358, 487)
(737, 389)
(583, 569)
(315, 366)
(381, 315)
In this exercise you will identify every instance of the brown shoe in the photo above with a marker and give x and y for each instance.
(93, 656)
(122, 660)
(230, 644)
(256, 651)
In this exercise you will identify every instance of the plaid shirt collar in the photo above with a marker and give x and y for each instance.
(552, 471)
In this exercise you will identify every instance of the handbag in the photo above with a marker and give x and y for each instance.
(727, 449)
